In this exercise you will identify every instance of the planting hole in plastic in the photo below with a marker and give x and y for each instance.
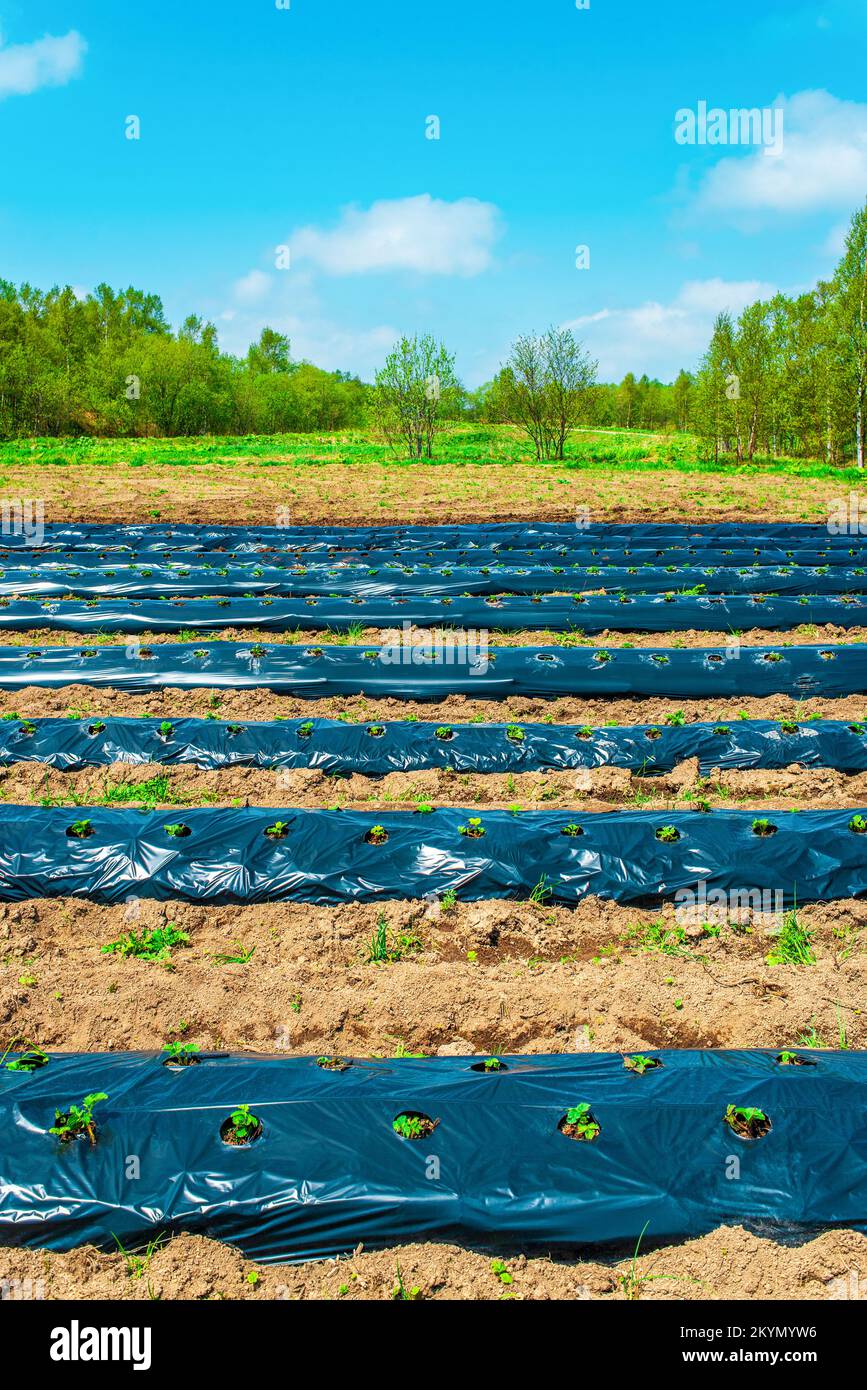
(793, 1059)
(229, 1130)
(580, 1123)
(413, 1124)
(492, 1066)
(333, 1063)
(748, 1122)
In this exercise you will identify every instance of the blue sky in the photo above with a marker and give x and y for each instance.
(305, 127)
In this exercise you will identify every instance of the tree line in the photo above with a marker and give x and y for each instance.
(787, 376)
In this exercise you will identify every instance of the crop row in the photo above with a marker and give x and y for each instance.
(263, 855)
(293, 1160)
(376, 749)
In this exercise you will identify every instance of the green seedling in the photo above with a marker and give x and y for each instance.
(136, 1265)
(448, 901)
(78, 1122)
(541, 893)
(242, 1127)
(578, 1123)
(181, 1054)
(411, 1125)
(444, 733)
(154, 946)
(80, 829)
(499, 1268)
(97, 728)
(640, 1064)
(474, 830)
(30, 1059)
(794, 1059)
(572, 830)
(747, 1121)
(305, 729)
(492, 1064)
(858, 825)
(794, 944)
(177, 832)
(401, 1294)
(677, 718)
(278, 831)
(376, 835)
(240, 956)
(764, 828)
(376, 730)
(166, 729)
(27, 729)
(515, 733)
(332, 1063)
(788, 726)
(584, 732)
(722, 729)
(668, 834)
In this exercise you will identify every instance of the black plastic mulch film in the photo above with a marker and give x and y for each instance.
(434, 670)
(376, 749)
(258, 854)
(657, 613)
(328, 1170)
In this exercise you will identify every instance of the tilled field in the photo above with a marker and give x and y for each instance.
(441, 978)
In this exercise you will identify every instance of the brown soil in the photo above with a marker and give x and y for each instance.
(330, 493)
(731, 1263)
(807, 635)
(81, 701)
(584, 791)
(488, 978)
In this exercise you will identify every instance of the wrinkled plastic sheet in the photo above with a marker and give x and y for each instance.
(376, 749)
(431, 671)
(366, 581)
(324, 857)
(652, 613)
(329, 1172)
(159, 535)
(622, 556)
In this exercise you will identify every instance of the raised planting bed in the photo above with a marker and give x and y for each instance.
(506, 613)
(260, 855)
(333, 745)
(428, 672)
(291, 1160)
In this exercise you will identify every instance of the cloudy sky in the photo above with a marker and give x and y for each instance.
(283, 173)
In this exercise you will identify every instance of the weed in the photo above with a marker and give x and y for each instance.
(154, 946)
(794, 944)
(400, 1292)
(541, 893)
(136, 1265)
(239, 956)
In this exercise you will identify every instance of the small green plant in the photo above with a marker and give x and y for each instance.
(444, 733)
(27, 728)
(376, 835)
(166, 729)
(579, 1123)
(30, 1059)
(677, 718)
(858, 825)
(97, 728)
(154, 946)
(499, 1268)
(474, 830)
(492, 1064)
(794, 945)
(80, 829)
(572, 830)
(640, 1064)
(448, 901)
(794, 1059)
(278, 831)
(136, 1265)
(668, 834)
(722, 729)
(584, 732)
(178, 831)
(78, 1122)
(332, 1063)
(376, 730)
(411, 1124)
(763, 828)
(305, 729)
(542, 892)
(242, 1127)
(180, 1054)
(515, 733)
(747, 1121)
(788, 726)
(401, 1294)
(240, 955)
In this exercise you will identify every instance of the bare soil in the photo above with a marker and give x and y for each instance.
(731, 1263)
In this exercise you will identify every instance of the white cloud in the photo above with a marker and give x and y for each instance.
(250, 289)
(660, 338)
(422, 234)
(47, 62)
(823, 162)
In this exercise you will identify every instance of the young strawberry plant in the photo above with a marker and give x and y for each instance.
(668, 834)
(639, 1065)
(764, 828)
(242, 1127)
(858, 825)
(80, 829)
(376, 835)
(30, 1059)
(572, 830)
(333, 1063)
(444, 733)
(491, 1066)
(77, 1122)
(177, 832)
(412, 1124)
(180, 1054)
(747, 1121)
(474, 830)
(515, 733)
(579, 1123)
(278, 831)
(794, 1059)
